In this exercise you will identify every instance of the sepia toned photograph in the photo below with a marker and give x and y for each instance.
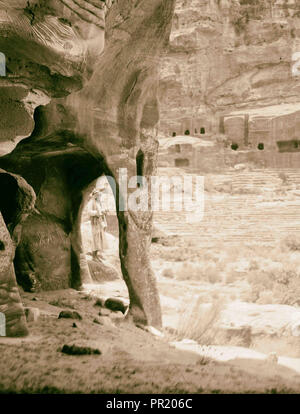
(149, 199)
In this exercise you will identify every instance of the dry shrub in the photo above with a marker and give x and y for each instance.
(198, 323)
(292, 242)
(280, 286)
(207, 272)
(283, 177)
(168, 273)
(264, 280)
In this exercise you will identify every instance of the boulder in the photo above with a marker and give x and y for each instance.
(102, 272)
(115, 305)
(79, 350)
(32, 314)
(69, 314)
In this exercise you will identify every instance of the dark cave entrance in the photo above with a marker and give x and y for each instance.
(49, 254)
(9, 200)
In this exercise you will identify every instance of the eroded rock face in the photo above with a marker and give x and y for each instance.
(99, 110)
(224, 55)
(16, 203)
(10, 301)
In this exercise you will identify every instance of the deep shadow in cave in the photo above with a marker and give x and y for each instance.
(49, 252)
(8, 203)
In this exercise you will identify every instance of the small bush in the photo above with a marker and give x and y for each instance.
(283, 177)
(292, 242)
(207, 272)
(198, 323)
(168, 273)
(280, 286)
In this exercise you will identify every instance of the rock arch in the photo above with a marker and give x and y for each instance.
(100, 114)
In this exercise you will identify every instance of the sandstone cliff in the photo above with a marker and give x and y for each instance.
(81, 87)
(227, 54)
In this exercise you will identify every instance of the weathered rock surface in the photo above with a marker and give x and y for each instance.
(17, 201)
(10, 301)
(115, 305)
(94, 106)
(225, 55)
(32, 314)
(101, 272)
(69, 314)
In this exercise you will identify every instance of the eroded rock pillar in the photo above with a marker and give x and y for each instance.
(135, 242)
(10, 300)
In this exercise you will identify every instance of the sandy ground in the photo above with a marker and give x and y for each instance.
(132, 360)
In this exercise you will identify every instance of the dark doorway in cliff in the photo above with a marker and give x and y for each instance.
(289, 146)
(9, 200)
(234, 147)
(187, 132)
(202, 130)
(261, 146)
(182, 162)
(174, 134)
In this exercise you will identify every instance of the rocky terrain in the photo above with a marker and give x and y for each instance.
(80, 100)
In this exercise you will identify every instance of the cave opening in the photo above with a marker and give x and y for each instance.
(99, 230)
(261, 146)
(9, 202)
(50, 254)
(182, 162)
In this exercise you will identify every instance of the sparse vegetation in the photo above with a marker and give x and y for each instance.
(168, 273)
(206, 272)
(198, 323)
(283, 177)
(292, 242)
